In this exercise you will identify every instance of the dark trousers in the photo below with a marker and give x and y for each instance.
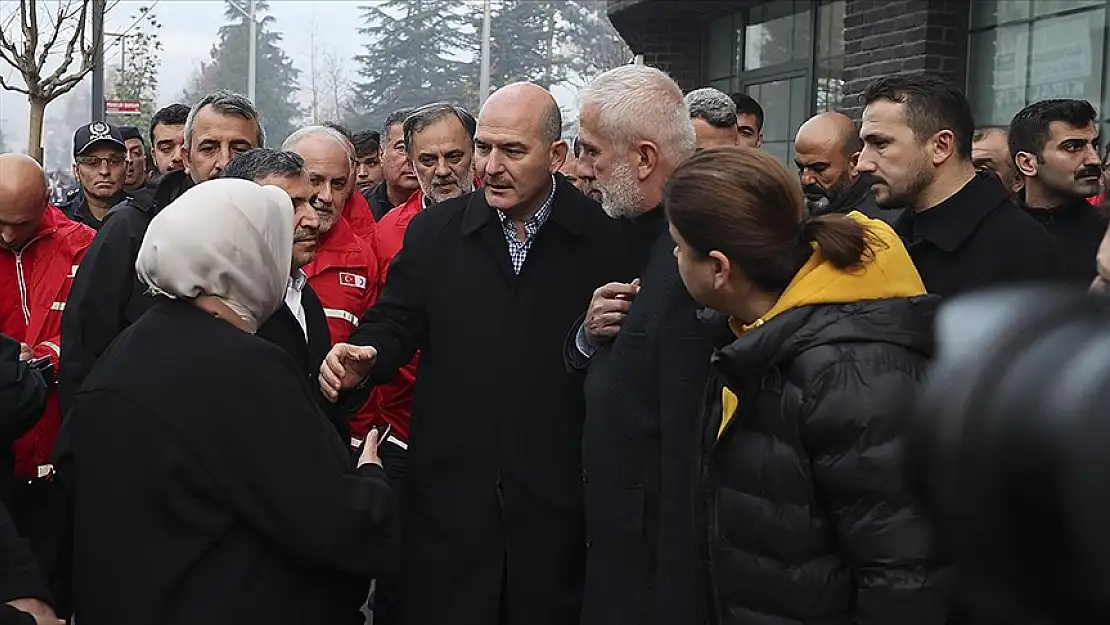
(39, 511)
(387, 595)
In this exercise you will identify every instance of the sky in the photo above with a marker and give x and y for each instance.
(190, 28)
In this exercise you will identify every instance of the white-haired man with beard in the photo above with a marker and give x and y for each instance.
(645, 358)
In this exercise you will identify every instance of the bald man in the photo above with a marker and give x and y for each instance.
(826, 149)
(486, 286)
(40, 249)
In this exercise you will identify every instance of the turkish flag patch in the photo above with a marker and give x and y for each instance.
(352, 279)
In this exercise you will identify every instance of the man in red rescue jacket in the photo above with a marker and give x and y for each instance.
(439, 139)
(40, 249)
(344, 273)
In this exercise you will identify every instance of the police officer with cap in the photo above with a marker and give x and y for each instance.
(99, 164)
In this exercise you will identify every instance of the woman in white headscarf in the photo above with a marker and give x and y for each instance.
(208, 487)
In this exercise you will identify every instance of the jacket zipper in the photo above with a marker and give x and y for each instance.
(22, 282)
(22, 287)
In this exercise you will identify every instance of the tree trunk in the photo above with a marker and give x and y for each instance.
(34, 131)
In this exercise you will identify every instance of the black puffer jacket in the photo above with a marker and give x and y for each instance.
(810, 517)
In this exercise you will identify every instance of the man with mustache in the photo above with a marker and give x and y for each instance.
(1055, 146)
(300, 326)
(439, 141)
(960, 226)
(826, 149)
(344, 272)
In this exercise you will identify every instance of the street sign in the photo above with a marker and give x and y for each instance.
(123, 107)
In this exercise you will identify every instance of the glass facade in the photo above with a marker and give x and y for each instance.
(1022, 51)
(787, 54)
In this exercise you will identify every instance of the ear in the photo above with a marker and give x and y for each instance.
(558, 155)
(722, 269)
(646, 159)
(853, 162)
(1027, 164)
(759, 141)
(944, 146)
(187, 158)
(75, 172)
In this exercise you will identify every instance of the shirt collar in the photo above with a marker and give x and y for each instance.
(949, 223)
(536, 220)
(298, 280)
(425, 201)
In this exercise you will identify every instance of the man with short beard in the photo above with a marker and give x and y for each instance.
(439, 140)
(1055, 146)
(645, 355)
(167, 138)
(825, 151)
(960, 226)
(135, 177)
(399, 181)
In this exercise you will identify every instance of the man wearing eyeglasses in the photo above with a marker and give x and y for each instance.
(99, 164)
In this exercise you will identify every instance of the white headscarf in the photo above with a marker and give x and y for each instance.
(230, 239)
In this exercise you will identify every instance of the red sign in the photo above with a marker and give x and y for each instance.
(123, 107)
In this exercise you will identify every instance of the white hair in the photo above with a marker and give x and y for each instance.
(290, 144)
(637, 102)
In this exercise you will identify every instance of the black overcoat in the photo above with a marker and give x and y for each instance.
(209, 488)
(640, 442)
(492, 505)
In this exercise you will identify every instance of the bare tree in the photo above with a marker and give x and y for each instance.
(30, 55)
(335, 81)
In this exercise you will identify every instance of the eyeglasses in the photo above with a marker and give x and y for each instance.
(96, 162)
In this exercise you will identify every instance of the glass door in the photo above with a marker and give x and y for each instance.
(785, 101)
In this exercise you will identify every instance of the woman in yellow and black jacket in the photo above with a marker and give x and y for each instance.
(809, 516)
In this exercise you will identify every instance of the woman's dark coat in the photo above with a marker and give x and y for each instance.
(209, 488)
(811, 520)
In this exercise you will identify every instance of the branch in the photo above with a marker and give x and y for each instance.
(50, 85)
(53, 37)
(31, 42)
(4, 85)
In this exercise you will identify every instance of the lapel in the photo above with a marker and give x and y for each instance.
(286, 333)
(567, 212)
(479, 219)
(319, 337)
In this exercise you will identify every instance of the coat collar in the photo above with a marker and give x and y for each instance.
(566, 210)
(948, 224)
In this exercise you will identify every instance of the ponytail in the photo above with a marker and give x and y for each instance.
(843, 241)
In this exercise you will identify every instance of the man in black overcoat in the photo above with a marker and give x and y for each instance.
(486, 286)
(645, 351)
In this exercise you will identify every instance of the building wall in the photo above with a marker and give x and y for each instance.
(883, 37)
(672, 45)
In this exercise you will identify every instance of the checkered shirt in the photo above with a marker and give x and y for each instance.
(518, 251)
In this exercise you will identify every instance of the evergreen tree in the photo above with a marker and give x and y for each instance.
(413, 59)
(276, 90)
(593, 45)
(551, 42)
(138, 79)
